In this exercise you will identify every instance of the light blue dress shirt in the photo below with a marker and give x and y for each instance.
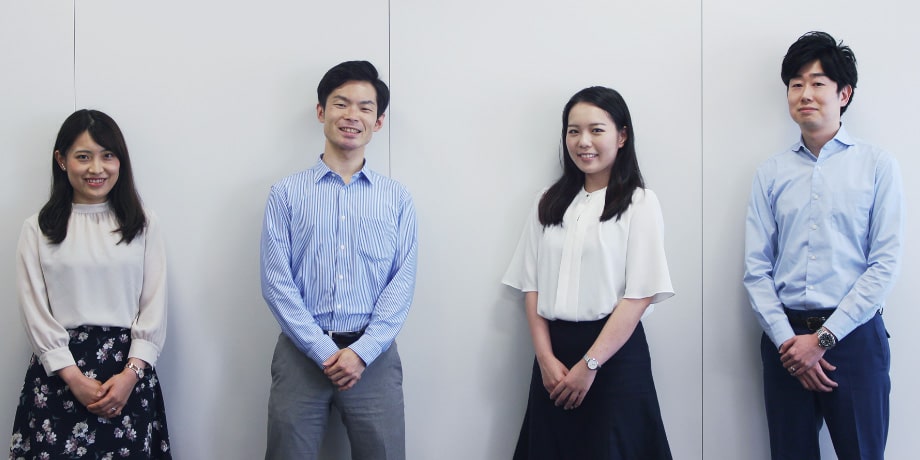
(339, 257)
(823, 232)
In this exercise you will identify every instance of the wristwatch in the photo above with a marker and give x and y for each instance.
(592, 363)
(826, 338)
(137, 370)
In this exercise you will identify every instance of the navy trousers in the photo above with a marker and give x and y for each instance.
(856, 412)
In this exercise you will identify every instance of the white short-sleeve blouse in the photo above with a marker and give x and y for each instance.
(584, 267)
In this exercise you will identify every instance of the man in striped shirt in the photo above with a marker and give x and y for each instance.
(338, 263)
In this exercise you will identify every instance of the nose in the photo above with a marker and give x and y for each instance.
(584, 140)
(95, 166)
(807, 93)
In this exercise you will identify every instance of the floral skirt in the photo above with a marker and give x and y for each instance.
(52, 424)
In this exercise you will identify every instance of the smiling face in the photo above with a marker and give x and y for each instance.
(350, 118)
(815, 100)
(91, 169)
(592, 139)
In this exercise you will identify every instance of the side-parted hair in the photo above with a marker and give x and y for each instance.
(625, 176)
(354, 71)
(837, 60)
(123, 198)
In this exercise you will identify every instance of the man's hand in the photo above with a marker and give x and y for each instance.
(573, 388)
(804, 359)
(344, 368)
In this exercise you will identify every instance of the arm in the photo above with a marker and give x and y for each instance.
(390, 311)
(278, 287)
(620, 325)
(50, 341)
(148, 332)
(760, 241)
(552, 370)
(886, 228)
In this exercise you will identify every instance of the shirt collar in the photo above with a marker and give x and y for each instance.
(840, 142)
(321, 170)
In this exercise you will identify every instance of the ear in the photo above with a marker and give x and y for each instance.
(59, 158)
(379, 123)
(320, 113)
(845, 95)
(623, 136)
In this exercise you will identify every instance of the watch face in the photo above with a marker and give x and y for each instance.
(825, 339)
(592, 363)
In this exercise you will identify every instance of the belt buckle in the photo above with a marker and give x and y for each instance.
(815, 322)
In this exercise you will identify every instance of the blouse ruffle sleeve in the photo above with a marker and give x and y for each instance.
(522, 271)
(647, 272)
(148, 332)
(48, 338)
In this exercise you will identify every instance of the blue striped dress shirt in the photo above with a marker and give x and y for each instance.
(339, 257)
(823, 232)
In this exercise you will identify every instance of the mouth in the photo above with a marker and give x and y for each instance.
(349, 130)
(95, 182)
(587, 156)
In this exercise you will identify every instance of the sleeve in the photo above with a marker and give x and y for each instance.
(392, 306)
(148, 332)
(647, 272)
(886, 229)
(521, 273)
(760, 239)
(48, 338)
(279, 290)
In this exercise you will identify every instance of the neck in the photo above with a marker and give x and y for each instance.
(594, 183)
(343, 163)
(815, 140)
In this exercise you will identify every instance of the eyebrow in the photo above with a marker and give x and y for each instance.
(813, 75)
(589, 124)
(345, 99)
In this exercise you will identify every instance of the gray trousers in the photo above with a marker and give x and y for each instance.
(302, 396)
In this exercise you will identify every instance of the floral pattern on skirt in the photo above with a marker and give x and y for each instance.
(52, 424)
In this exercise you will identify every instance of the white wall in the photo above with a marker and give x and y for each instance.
(216, 100)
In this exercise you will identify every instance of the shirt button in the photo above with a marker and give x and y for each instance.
(341, 276)
(814, 227)
(815, 196)
(339, 306)
(342, 217)
(342, 247)
(810, 288)
(812, 257)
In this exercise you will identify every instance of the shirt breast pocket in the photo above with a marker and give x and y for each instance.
(851, 211)
(376, 240)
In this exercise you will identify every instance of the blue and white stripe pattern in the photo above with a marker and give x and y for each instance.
(339, 257)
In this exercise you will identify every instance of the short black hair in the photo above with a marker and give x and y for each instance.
(837, 60)
(354, 71)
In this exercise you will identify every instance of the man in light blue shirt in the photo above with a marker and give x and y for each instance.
(338, 266)
(822, 251)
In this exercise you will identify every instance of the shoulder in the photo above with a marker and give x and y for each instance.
(386, 187)
(645, 197)
(30, 225)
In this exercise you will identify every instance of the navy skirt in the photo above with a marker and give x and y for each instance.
(619, 418)
(51, 424)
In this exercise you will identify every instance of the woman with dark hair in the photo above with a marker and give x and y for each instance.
(591, 262)
(92, 286)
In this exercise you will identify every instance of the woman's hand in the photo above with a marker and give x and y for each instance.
(87, 390)
(553, 371)
(571, 391)
(116, 392)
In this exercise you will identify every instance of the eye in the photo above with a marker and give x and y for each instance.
(109, 156)
(81, 156)
(597, 130)
(572, 132)
(339, 105)
(796, 85)
(366, 110)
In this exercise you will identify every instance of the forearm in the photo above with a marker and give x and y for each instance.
(539, 328)
(618, 329)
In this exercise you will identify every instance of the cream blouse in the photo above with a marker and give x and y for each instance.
(89, 279)
(582, 268)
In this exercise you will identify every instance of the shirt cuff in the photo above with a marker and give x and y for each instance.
(145, 350)
(781, 332)
(840, 324)
(322, 350)
(367, 349)
(57, 359)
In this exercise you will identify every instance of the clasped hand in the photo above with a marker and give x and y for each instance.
(804, 359)
(566, 387)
